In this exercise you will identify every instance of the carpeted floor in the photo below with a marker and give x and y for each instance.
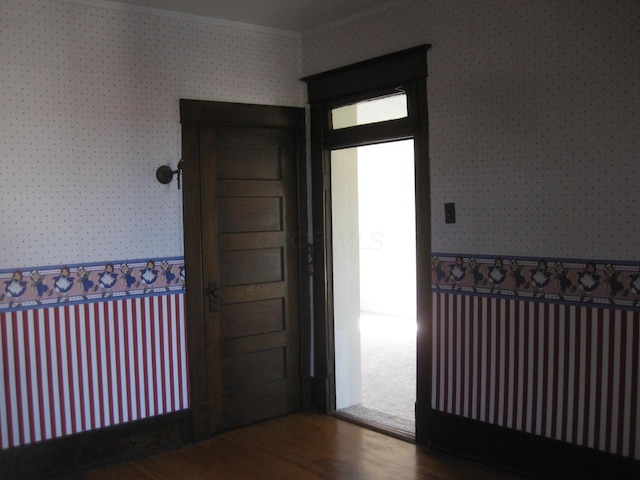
(388, 372)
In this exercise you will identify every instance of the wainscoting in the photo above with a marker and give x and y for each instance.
(563, 371)
(77, 367)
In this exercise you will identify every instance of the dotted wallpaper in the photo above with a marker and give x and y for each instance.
(534, 118)
(89, 111)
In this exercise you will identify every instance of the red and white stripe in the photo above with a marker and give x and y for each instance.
(72, 368)
(567, 372)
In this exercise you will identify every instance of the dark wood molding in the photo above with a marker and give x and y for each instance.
(370, 134)
(303, 243)
(527, 453)
(424, 298)
(105, 446)
(369, 75)
(423, 418)
(368, 79)
(199, 112)
(321, 392)
(194, 296)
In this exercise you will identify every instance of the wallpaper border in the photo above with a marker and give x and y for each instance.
(588, 282)
(54, 285)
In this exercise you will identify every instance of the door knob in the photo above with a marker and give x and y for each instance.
(214, 296)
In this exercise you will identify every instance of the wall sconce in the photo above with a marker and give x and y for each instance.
(164, 174)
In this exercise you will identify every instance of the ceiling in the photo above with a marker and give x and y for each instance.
(290, 15)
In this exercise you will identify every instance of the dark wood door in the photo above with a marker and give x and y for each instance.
(249, 272)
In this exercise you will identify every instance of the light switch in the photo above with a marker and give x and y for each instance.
(450, 213)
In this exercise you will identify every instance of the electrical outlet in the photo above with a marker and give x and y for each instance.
(450, 213)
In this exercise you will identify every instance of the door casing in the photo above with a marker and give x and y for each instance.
(406, 70)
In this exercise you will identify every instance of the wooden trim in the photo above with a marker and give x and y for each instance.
(321, 390)
(328, 279)
(424, 297)
(369, 134)
(194, 297)
(120, 443)
(201, 112)
(211, 371)
(526, 453)
(369, 75)
(341, 86)
(303, 243)
(369, 425)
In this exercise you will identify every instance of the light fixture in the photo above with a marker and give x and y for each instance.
(164, 174)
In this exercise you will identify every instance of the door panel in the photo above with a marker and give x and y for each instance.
(257, 402)
(243, 267)
(258, 162)
(242, 214)
(252, 293)
(256, 188)
(257, 367)
(251, 192)
(247, 345)
(252, 318)
(247, 241)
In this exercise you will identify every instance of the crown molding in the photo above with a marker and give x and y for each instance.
(216, 22)
(354, 17)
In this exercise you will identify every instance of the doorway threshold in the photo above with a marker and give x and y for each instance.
(378, 421)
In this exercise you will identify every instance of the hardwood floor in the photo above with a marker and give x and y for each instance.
(300, 446)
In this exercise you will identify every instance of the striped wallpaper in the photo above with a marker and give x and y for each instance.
(77, 367)
(563, 371)
(567, 372)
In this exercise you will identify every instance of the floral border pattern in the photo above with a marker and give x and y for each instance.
(606, 283)
(40, 287)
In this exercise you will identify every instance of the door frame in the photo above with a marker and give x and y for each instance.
(407, 70)
(205, 411)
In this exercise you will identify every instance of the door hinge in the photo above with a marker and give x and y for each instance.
(327, 182)
(310, 258)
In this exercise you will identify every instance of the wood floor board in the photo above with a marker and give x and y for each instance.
(127, 470)
(303, 446)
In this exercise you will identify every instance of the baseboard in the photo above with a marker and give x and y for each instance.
(307, 393)
(526, 453)
(120, 443)
(320, 394)
(423, 422)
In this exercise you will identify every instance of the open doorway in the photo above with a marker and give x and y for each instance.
(374, 278)
(336, 98)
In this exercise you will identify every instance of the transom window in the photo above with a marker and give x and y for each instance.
(371, 110)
